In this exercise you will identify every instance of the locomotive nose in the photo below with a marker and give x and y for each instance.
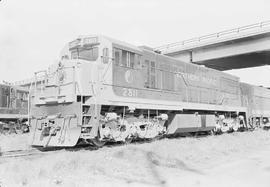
(56, 129)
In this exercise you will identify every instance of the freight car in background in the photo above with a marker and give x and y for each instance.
(257, 100)
(13, 109)
(106, 90)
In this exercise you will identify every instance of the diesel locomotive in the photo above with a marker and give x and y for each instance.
(105, 90)
(13, 108)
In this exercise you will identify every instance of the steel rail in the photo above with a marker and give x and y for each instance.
(20, 153)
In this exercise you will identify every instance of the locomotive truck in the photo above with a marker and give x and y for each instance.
(105, 90)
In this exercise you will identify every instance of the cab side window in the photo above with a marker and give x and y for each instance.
(105, 55)
(125, 58)
(130, 60)
(137, 62)
(117, 57)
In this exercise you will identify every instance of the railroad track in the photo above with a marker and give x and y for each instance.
(40, 151)
(44, 151)
(20, 153)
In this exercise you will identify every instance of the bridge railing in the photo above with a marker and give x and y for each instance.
(257, 27)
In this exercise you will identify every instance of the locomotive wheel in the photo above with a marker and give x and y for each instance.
(128, 140)
(98, 143)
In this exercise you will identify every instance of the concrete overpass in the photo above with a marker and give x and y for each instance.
(242, 47)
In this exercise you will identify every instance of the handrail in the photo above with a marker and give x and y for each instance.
(197, 40)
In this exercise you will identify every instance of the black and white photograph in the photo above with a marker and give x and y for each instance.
(140, 93)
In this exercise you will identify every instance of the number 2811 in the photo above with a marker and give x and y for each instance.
(127, 92)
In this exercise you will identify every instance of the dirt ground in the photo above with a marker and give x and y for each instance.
(238, 159)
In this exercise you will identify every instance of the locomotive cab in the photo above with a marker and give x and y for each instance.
(63, 81)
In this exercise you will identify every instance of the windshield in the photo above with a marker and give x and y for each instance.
(90, 54)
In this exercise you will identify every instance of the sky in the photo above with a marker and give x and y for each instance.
(33, 32)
